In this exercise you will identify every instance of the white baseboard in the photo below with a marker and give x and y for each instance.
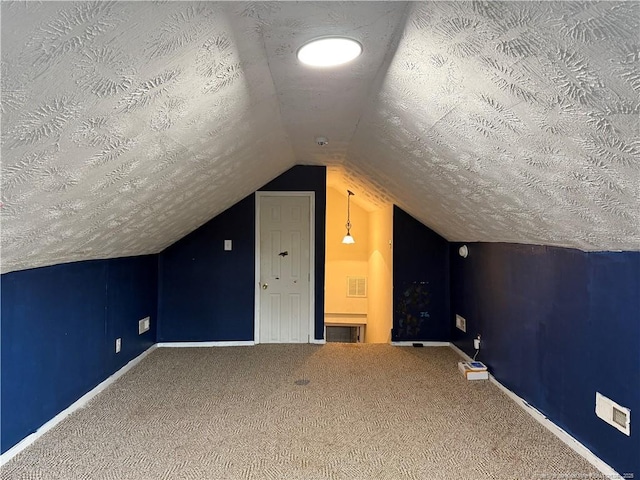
(77, 405)
(565, 437)
(247, 343)
(460, 352)
(424, 344)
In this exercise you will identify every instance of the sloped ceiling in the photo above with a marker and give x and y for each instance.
(126, 125)
(514, 122)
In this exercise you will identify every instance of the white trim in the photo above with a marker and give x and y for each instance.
(460, 352)
(315, 341)
(312, 258)
(247, 343)
(77, 405)
(256, 274)
(312, 265)
(565, 437)
(424, 344)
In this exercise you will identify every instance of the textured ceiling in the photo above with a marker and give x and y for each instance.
(514, 122)
(126, 125)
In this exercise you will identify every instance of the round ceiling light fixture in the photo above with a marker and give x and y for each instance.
(329, 51)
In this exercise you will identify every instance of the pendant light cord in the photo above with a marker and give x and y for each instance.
(349, 193)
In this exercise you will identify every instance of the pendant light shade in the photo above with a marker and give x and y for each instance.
(348, 239)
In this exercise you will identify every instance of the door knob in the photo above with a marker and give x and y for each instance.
(265, 286)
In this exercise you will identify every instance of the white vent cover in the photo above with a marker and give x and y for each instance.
(461, 323)
(615, 415)
(356, 286)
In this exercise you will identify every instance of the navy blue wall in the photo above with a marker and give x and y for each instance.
(557, 325)
(421, 304)
(207, 294)
(59, 326)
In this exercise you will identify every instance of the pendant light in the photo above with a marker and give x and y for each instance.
(348, 239)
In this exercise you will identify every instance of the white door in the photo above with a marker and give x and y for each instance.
(285, 267)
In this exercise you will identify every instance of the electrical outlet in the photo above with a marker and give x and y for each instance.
(118, 345)
(461, 323)
(144, 325)
(476, 343)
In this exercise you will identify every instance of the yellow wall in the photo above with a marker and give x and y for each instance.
(336, 221)
(343, 260)
(370, 256)
(379, 318)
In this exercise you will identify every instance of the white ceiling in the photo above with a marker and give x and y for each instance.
(126, 125)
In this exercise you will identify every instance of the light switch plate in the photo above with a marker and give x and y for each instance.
(227, 245)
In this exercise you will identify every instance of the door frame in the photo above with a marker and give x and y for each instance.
(312, 257)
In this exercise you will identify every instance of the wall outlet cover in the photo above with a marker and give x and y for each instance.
(461, 323)
(144, 325)
(118, 345)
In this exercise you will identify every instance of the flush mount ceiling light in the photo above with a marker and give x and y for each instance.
(329, 51)
(348, 239)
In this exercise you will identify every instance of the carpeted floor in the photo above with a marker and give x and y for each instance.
(367, 412)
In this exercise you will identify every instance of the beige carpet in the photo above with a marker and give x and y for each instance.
(368, 412)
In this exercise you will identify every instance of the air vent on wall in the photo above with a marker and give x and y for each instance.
(356, 286)
(615, 415)
(620, 417)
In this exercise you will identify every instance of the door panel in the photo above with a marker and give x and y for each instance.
(284, 269)
(273, 328)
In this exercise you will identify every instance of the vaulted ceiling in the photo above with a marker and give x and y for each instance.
(126, 125)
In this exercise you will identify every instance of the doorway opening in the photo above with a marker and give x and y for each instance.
(358, 276)
(344, 334)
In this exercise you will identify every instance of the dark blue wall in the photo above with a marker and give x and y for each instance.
(421, 304)
(59, 326)
(207, 294)
(557, 325)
